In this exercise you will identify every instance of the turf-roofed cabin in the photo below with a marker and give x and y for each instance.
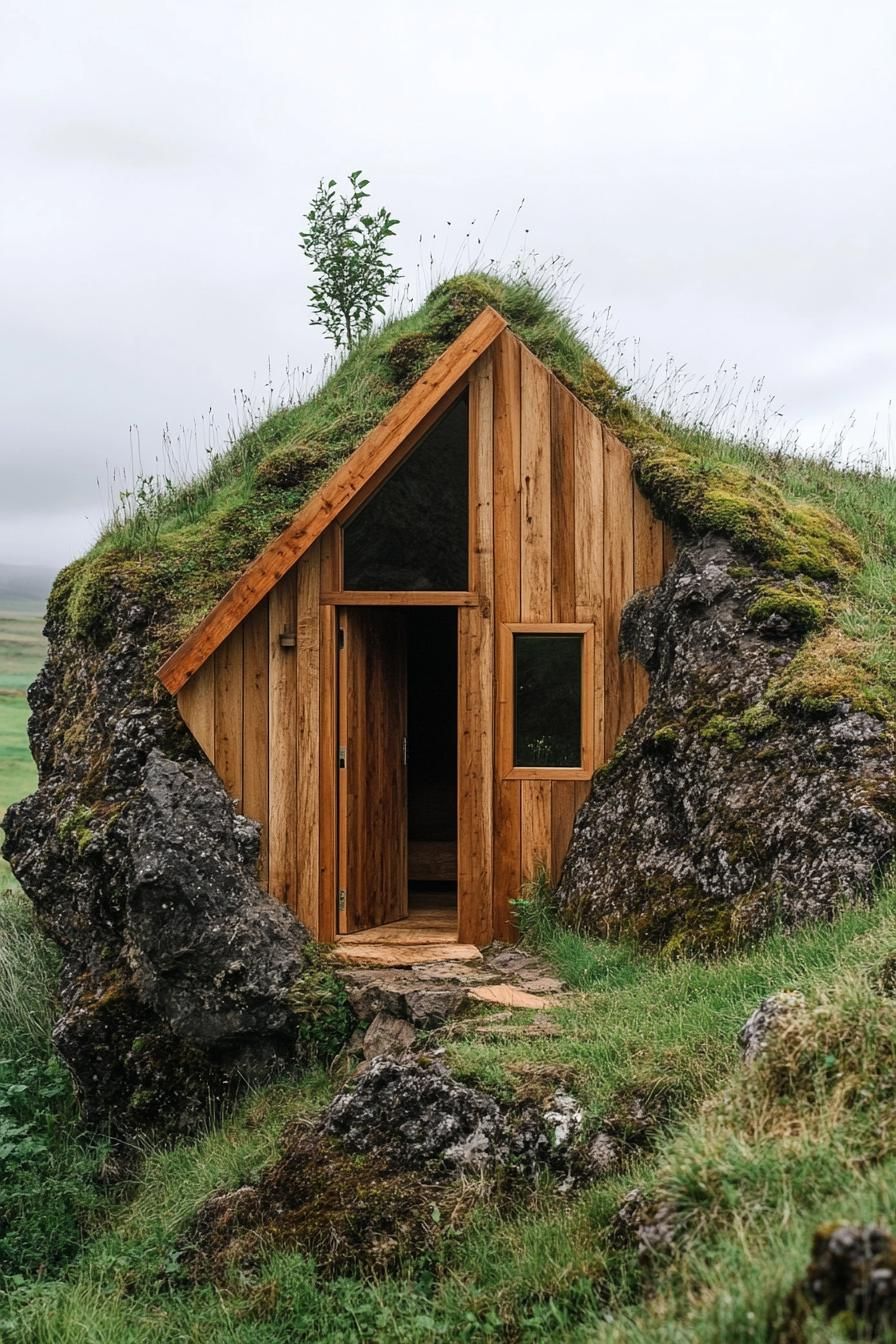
(412, 685)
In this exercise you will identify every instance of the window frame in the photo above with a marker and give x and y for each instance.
(507, 700)
(335, 590)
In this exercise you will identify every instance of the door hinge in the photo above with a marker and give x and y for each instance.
(404, 751)
(341, 638)
(342, 901)
(342, 758)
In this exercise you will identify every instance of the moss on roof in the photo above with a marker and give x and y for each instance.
(833, 531)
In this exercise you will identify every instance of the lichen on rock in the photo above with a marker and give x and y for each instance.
(725, 813)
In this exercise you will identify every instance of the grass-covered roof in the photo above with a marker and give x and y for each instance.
(827, 536)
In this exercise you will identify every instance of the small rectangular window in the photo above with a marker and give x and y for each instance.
(547, 687)
(548, 681)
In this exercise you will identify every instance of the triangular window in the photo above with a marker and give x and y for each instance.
(412, 534)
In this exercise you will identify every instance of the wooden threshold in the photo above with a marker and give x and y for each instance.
(428, 934)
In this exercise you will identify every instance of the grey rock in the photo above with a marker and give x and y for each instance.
(402, 994)
(176, 966)
(417, 1114)
(605, 1154)
(765, 1020)
(651, 1226)
(853, 1271)
(699, 841)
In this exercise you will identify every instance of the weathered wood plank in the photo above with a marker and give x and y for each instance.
(328, 796)
(255, 727)
(374, 780)
(564, 793)
(563, 504)
(535, 482)
(196, 702)
(536, 827)
(589, 552)
(308, 729)
(283, 744)
(311, 520)
(507, 493)
(229, 714)
(619, 581)
(476, 664)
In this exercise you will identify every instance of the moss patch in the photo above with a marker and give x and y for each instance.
(792, 608)
(353, 1215)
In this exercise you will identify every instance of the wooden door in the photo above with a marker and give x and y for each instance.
(373, 827)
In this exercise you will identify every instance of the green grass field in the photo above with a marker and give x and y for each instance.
(22, 650)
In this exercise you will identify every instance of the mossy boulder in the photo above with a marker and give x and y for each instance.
(730, 809)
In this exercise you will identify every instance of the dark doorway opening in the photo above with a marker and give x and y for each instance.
(432, 759)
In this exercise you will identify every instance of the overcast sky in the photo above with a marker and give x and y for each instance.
(720, 175)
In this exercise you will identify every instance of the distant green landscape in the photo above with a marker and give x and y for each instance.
(22, 651)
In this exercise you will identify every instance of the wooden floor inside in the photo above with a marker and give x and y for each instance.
(428, 934)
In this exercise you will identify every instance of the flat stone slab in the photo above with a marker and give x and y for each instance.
(510, 997)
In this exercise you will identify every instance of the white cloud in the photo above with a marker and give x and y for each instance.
(720, 173)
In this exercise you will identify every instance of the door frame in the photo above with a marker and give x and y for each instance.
(332, 715)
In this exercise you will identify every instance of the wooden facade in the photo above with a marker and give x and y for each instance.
(559, 539)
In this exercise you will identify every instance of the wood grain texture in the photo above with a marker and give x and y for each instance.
(619, 583)
(229, 714)
(507, 493)
(374, 780)
(423, 598)
(564, 805)
(589, 552)
(563, 503)
(476, 680)
(283, 745)
(196, 703)
(536, 822)
(328, 804)
(308, 734)
(255, 727)
(535, 485)
(311, 520)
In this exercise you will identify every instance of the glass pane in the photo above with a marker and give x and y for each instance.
(412, 534)
(547, 677)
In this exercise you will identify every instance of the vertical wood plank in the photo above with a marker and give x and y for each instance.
(619, 582)
(563, 504)
(535, 575)
(564, 805)
(536, 827)
(255, 726)
(563, 581)
(589, 553)
(283, 742)
(196, 702)
(229, 714)
(648, 561)
(535, 485)
(307, 834)
(328, 799)
(507, 494)
(476, 692)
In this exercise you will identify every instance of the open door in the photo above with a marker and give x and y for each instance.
(373, 796)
